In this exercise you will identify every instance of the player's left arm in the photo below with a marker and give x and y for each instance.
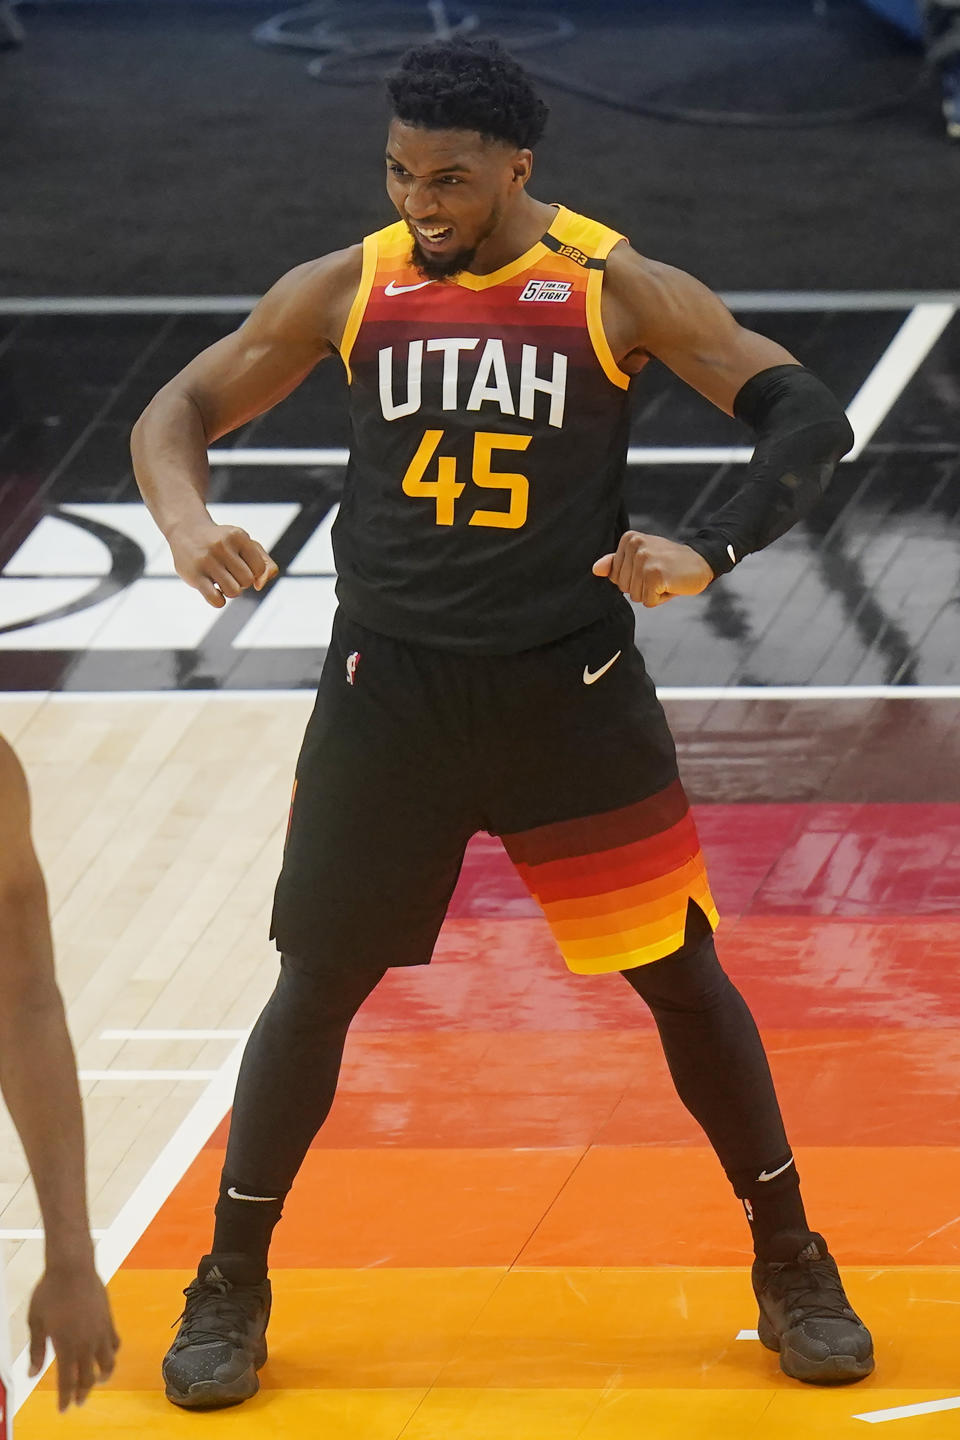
(38, 1077)
(651, 309)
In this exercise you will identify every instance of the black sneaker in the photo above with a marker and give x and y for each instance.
(805, 1315)
(221, 1343)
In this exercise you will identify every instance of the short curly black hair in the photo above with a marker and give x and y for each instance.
(468, 85)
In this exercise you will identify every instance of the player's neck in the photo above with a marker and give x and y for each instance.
(517, 233)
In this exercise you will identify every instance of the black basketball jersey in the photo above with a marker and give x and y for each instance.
(489, 433)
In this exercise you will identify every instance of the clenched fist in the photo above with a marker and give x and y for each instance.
(219, 560)
(651, 569)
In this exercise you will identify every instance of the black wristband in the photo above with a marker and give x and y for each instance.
(719, 554)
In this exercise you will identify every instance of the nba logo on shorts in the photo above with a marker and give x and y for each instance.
(353, 660)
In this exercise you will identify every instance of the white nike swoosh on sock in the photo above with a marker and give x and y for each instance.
(774, 1173)
(235, 1195)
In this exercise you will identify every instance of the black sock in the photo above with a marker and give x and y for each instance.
(245, 1223)
(771, 1206)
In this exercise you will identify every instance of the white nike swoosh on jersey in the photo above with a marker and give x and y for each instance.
(774, 1173)
(235, 1195)
(394, 289)
(588, 679)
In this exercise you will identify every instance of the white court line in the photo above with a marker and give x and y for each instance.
(57, 696)
(853, 300)
(756, 300)
(172, 1034)
(128, 305)
(906, 1412)
(665, 692)
(810, 692)
(636, 455)
(895, 369)
(37, 1234)
(278, 456)
(748, 1334)
(164, 1174)
(148, 1074)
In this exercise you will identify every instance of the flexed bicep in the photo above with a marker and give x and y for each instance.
(295, 326)
(657, 310)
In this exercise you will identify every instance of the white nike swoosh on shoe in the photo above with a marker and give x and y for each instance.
(588, 678)
(774, 1173)
(394, 289)
(235, 1195)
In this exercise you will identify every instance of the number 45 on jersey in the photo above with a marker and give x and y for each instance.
(445, 490)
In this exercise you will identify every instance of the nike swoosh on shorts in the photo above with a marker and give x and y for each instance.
(588, 678)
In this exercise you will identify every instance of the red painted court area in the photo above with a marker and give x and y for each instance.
(510, 1227)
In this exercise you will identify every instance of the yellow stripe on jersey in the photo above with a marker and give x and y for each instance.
(598, 336)
(506, 272)
(355, 317)
(393, 242)
(597, 241)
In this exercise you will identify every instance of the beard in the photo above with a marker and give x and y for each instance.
(435, 267)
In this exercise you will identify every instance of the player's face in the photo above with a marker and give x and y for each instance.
(451, 188)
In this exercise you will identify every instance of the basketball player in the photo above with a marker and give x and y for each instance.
(38, 1075)
(482, 673)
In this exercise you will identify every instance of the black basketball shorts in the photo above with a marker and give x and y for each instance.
(562, 751)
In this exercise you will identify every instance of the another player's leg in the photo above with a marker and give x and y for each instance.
(376, 838)
(717, 1061)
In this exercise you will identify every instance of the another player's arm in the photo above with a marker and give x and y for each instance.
(651, 309)
(296, 324)
(38, 1077)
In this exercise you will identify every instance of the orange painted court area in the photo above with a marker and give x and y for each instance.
(509, 1229)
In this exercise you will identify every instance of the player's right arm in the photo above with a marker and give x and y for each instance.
(297, 323)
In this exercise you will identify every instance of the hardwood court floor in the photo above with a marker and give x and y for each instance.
(509, 1226)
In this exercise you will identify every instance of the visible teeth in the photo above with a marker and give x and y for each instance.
(435, 233)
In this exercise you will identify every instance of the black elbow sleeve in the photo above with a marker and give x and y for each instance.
(801, 432)
(792, 411)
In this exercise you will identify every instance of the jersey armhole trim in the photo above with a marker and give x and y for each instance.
(357, 309)
(598, 336)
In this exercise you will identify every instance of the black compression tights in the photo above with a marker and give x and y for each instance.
(292, 1062)
(718, 1065)
(285, 1088)
(290, 1069)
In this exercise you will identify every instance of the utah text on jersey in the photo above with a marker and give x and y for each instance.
(488, 385)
